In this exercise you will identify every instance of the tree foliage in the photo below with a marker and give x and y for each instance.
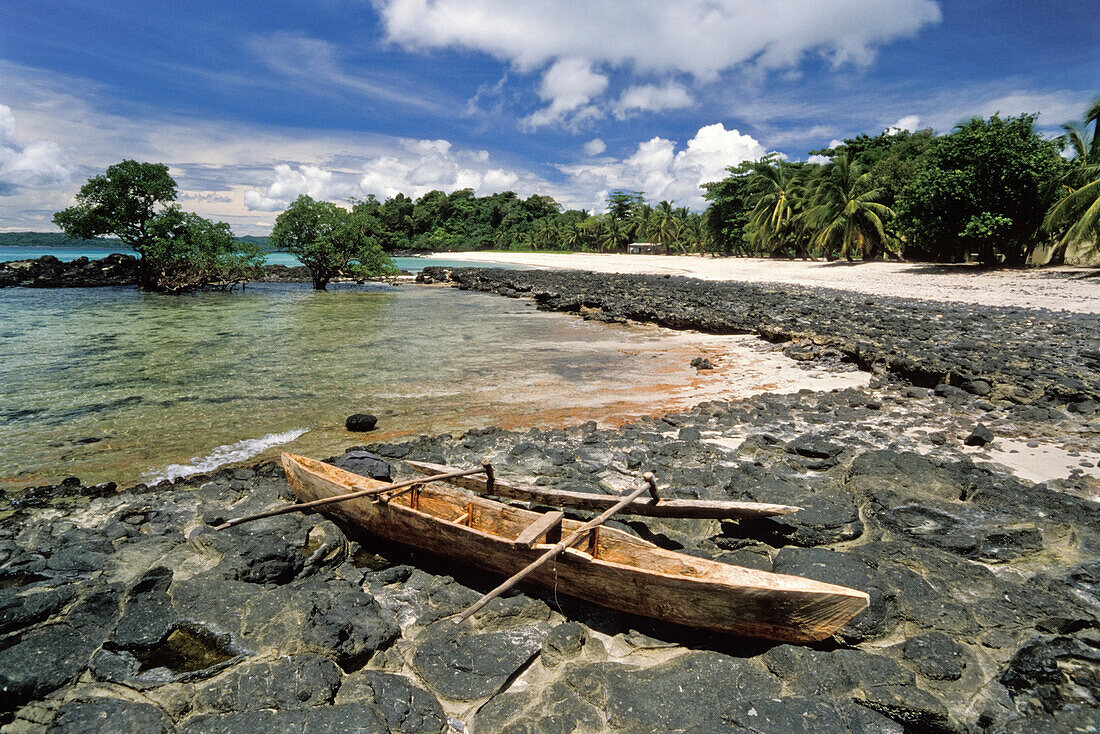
(982, 190)
(125, 202)
(1075, 216)
(329, 239)
(178, 251)
(992, 189)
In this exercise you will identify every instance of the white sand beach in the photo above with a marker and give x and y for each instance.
(1058, 289)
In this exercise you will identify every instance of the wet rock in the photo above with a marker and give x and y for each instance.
(467, 667)
(264, 552)
(49, 272)
(360, 422)
(688, 693)
(108, 716)
(20, 609)
(333, 619)
(147, 617)
(980, 436)
(826, 517)
(405, 707)
(365, 463)
(570, 641)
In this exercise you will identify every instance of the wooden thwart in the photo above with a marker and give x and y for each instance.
(648, 484)
(699, 509)
(534, 532)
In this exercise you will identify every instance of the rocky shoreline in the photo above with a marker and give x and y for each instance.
(113, 270)
(123, 611)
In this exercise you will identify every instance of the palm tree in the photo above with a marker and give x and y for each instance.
(1077, 213)
(846, 213)
(1085, 143)
(778, 192)
(574, 237)
(613, 235)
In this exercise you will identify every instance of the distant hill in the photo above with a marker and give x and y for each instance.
(59, 239)
(50, 239)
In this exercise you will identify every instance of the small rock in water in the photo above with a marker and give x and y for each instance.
(361, 422)
(700, 363)
(980, 436)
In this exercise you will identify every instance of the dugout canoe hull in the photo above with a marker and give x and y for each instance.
(611, 568)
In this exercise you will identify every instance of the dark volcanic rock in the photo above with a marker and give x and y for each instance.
(291, 682)
(109, 716)
(467, 666)
(365, 463)
(1047, 673)
(49, 272)
(980, 436)
(935, 656)
(45, 658)
(405, 707)
(351, 718)
(361, 422)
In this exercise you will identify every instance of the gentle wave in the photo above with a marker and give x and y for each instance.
(222, 455)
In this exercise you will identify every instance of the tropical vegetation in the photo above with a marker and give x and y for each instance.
(992, 190)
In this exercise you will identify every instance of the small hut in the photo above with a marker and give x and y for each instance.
(646, 248)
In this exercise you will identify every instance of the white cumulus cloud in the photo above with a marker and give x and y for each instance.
(595, 147)
(568, 85)
(34, 165)
(288, 185)
(652, 98)
(909, 122)
(698, 37)
(665, 173)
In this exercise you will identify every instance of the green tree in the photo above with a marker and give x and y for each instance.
(622, 204)
(730, 207)
(613, 235)
(984, 188)
(126, 202)
(1075, 216)
(778, 195)
(846, 215)
(328, 239)
(189, 252)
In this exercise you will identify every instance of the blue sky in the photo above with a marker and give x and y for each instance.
(253, 103)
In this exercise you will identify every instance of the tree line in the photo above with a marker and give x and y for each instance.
(992, 190)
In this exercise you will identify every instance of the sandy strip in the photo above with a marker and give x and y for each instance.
(1058, 289)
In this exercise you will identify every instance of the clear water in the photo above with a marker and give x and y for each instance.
(68, 254)
(115, 384)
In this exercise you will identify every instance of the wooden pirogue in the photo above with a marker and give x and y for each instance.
(696, 509)
(611, 568)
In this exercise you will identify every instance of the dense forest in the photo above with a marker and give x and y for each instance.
(993, 190)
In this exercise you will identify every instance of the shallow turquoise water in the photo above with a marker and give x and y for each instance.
(115, 384)
(68, 254)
